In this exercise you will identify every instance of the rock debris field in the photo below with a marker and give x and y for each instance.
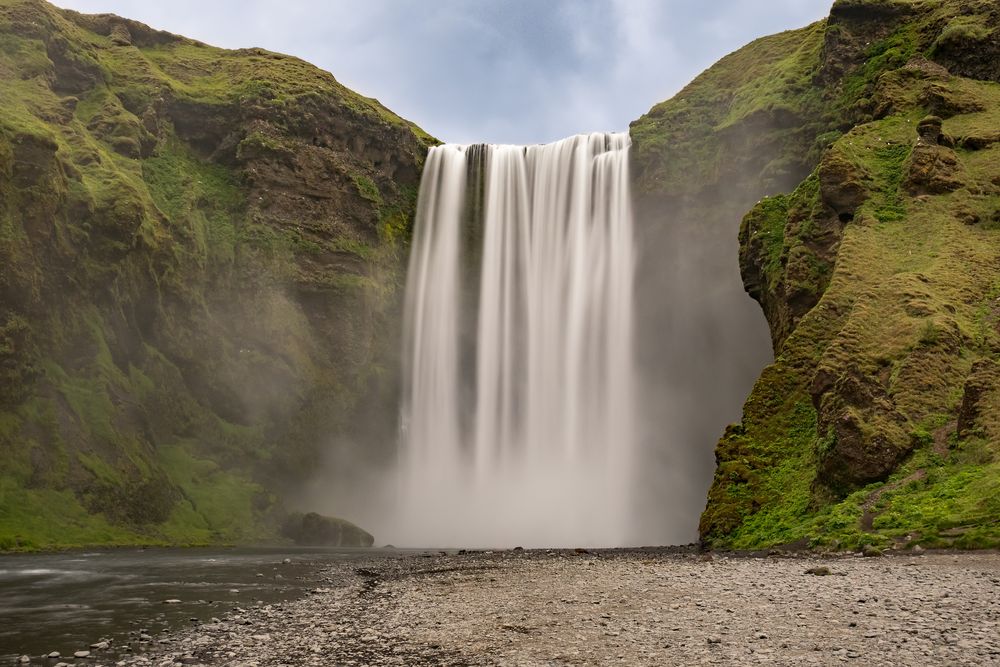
(637, 607)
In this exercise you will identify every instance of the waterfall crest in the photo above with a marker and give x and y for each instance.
(518, 415)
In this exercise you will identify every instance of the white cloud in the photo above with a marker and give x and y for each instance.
(516, 71)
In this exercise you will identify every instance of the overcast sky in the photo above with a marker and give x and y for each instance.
(502, 71)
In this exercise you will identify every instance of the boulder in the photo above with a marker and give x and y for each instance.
(314, 529)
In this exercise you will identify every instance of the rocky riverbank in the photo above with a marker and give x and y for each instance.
(617, 607)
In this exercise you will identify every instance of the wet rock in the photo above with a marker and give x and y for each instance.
(313, 529)
(81, 654)
(172, 601)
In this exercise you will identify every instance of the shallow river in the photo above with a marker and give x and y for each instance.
(66, 602)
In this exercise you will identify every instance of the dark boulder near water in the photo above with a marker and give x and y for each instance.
(316, 530)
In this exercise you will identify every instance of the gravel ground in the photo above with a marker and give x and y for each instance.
(611, 607)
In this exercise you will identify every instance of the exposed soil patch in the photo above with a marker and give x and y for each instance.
(870, 513)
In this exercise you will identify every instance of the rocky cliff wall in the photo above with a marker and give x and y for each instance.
(201, 254)
(877, 272)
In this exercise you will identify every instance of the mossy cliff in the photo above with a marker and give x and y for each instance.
(200, 251)
(876, 261)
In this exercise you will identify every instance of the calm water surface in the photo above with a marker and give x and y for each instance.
(65, 602)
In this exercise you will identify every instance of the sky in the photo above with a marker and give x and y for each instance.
(500, 71)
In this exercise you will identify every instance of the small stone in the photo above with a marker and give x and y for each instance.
(54, 655)
(715, 640)
(287, 561)
(143, 637)
(172, 601)
(24, 660)
(101, 645)
(82, 654)
(820, 571)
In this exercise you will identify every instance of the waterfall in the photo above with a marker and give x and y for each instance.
(518, 415)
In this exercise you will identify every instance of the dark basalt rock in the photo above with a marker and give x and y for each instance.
(313, 529)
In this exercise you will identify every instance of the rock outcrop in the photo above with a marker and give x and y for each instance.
(200, 253)
(877, 274)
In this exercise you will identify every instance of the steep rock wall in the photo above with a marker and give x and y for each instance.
(200, 260)
(877, 274)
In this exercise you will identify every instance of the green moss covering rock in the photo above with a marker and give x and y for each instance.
(199, 252)
(878, 274)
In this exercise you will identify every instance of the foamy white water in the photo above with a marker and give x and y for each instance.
(518, 417)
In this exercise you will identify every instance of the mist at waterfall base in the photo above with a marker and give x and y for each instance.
(518, 398)
(568, 440)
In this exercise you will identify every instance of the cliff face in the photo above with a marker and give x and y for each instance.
(199, 252)
(878, 274)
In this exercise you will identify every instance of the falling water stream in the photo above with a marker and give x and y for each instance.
(518, 423)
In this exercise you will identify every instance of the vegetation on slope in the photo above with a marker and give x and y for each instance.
(198, 248)
(877, 423)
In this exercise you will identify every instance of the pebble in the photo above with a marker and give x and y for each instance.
(631, 608)
(81, 654)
